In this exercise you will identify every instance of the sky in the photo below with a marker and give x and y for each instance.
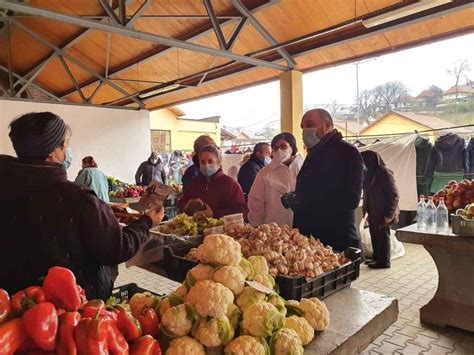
(251, 109)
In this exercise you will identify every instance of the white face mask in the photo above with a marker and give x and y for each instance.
(281, 156)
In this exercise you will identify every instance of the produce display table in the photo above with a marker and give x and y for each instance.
(357, 317)
(453, 303)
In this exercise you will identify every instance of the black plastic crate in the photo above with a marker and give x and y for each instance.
(295, 288)
(125, 292)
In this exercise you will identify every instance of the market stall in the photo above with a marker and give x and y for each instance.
(453, 302)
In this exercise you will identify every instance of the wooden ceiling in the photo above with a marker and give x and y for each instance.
(317, 33)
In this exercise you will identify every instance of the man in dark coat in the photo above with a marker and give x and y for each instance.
(49, 221)
(381, 205)
(192, 172)
(150, 170)
(248, 172)
(328, 187)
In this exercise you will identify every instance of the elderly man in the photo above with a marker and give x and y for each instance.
(248, 172)
(49, 221)
(151, 170)
(328, 187)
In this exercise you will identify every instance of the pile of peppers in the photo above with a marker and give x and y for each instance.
(57, 319)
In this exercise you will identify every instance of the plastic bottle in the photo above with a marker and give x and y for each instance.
(430, 214)
(420, 213)
(442, 219)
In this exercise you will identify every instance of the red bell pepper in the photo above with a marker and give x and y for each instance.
(4, 305)
(90, 309)
(91, 335)
(66, 345)
(128, 325)
(146, 345)
(117, 343)
(60, 288)
(41, 324)
(149, 322)
(12, 336)
(25, 299)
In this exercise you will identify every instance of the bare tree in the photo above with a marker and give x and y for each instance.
(459, 68)
(333, 107)
(383, 98)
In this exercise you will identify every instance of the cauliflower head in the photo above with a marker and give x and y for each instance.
(301, 326)
(286, 342)
(210, 299)
(213, 332)
(248, 297)
(140, 301)
(265, 280)
(171, 301)
(315, 313)
(278, 302)
(262, 319)
(259, 264)
(246, 269)
(184, 346)
(219, 249)
(198, 273)
(230, 277)
(181, 292)
(246, 344)
(235, 315)
(178, 321)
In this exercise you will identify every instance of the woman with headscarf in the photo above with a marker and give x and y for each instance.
(381, 205)
(93, 179)
(274, 180)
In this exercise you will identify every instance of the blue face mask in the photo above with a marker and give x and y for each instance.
(267, 160)
(209, 170)
(68, 159)
(310, 137)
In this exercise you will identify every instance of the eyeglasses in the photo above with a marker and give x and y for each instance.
(282, 147)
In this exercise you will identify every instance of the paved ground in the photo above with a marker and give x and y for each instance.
(412, 280)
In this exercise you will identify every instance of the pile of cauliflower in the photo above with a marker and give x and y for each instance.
(215, 308)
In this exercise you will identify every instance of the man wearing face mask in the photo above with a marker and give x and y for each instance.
(328, 188)
(50, 221)
(248, 172)
(275, 179)
(150, 170)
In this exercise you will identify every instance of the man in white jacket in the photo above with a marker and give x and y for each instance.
(274, 180)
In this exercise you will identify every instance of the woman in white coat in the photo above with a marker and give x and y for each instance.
(274, 180)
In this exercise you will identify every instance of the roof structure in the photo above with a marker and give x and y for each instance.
(352, 127)
(460, 89)
(154, 54)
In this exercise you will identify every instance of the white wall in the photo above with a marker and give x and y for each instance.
(118, 139)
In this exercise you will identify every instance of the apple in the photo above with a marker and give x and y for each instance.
(452, 182)
(456, 193)
(457, 203)
(442, 193)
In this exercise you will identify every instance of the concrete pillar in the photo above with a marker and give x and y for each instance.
(291, 104)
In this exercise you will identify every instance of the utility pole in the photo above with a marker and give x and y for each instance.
(357, 85)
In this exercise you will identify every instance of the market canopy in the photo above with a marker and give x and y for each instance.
(154, 54)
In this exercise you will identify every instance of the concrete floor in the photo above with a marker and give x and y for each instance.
(412, 280)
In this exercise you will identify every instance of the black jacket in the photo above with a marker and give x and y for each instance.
(191, 173)
(148, 172)
(248, 172)
(328, 190)
(448, 155)
(470, 158)
(47, 220)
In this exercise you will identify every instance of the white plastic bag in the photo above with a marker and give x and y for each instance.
(397, 249)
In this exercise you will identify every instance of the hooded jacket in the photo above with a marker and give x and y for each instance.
(222, 193)
(448, 155)
(328, 191)
(47, 221)
(148, 172)
(380, 191)
(191, 173)
(248, 172)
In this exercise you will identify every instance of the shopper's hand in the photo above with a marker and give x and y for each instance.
(208, 212)
(156, 215)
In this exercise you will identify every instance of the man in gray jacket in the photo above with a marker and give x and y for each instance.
(151, 170)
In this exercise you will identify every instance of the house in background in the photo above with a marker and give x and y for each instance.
(463, 93)
(396, 122)
(243, 141)
(348, 129)
(170, 131)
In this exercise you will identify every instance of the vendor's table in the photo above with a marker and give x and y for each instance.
(357, 317)
(453, 303)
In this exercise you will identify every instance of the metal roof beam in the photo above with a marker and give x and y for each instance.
(109, 11)
(215, 24)
(171, 42)
(22, 79)
(262, 30)
(123, 12)
(63, 53)
(138, 13)
(73, 80)
(236, 33)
